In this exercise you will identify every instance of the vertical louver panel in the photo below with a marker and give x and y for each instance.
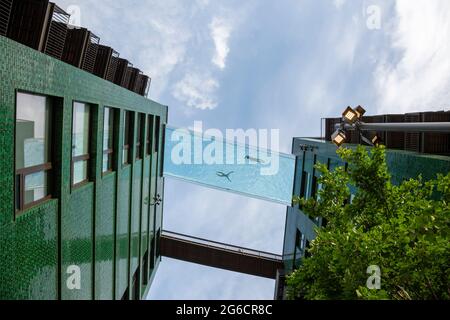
(113, 65)
(436, 143)
(395, 140)
(28, 21)
(90, 54)
(43, 26)
(5, 12)
(122, 65)
(138, 84)
(413, 139)
(123, 73)
(104, 55)
(127, 76)
(57, 32)
(75, 46)
(134, 74)
(146, 86)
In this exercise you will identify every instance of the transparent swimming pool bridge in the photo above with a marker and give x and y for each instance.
(229, 166)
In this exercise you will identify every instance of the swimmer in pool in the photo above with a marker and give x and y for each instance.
(224, 175)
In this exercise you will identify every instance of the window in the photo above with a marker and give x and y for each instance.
(80, 143)
(157, 132)
(149, 134)
(128, 138)
(161, 163)
(298, 240)
(305, 184)
(108, 140)
(33, 149)
(314, 187)
(139, 137)
(299, 248)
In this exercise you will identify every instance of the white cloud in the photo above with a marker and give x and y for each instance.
(339, 3)
(220, 29)
(197, 91)
(420, 79)
(154, 35)
(166, 40)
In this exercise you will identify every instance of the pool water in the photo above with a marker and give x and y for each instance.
(254, 172)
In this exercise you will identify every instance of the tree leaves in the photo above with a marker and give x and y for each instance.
(403, 229)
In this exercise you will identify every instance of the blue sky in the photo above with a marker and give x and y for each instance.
(268, 64)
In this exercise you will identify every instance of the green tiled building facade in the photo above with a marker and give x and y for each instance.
(300, 228)
(108, 226)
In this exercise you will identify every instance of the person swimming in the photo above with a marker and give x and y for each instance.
(224, 175)
(257, 160)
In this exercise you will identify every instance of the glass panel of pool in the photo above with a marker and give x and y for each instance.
(229, 166)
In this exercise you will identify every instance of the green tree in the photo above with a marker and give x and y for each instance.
(403, 229)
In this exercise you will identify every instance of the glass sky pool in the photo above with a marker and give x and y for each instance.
(228, 166)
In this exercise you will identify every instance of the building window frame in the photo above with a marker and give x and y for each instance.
(128, 136)
(304, 192)
(109, 152)
(299, 247)
(157, 129)
(46, 167)
(140, 136)
(149, 138)
(82, 157)
(21, 175)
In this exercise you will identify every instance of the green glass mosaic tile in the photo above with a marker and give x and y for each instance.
(77, 242)
(122, 232)
(135, 217)
(81, 224)
(28, 255)
(104, 240)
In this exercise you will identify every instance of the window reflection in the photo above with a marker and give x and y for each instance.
(80, 172)
(80, 138)
(80, 142)
(32, 149)
(108, 140)
(36, 187)
(32, 130)
(128, 138)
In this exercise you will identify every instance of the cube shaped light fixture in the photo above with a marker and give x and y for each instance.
(339, 137)
(350, 116)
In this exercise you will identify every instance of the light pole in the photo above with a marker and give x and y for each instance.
(352, 120)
